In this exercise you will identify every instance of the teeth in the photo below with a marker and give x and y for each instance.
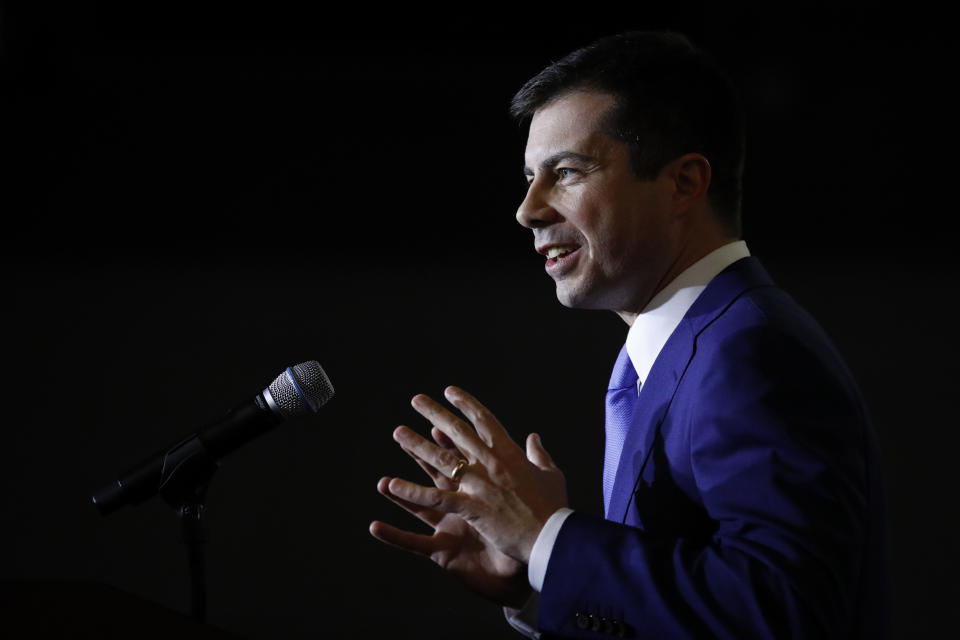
(555, 252)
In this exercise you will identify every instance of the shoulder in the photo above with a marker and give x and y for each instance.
(765, 353)
(767, 327)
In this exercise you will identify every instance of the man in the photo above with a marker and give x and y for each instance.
(742, 489)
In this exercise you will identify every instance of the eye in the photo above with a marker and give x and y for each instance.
(566, 172)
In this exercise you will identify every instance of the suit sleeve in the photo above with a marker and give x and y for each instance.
(777, 464)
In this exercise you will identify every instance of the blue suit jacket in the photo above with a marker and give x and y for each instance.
(747, 502)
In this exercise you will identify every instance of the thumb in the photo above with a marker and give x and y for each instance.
(537, 454)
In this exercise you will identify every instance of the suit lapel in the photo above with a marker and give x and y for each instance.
(655, 396)
(658, 389)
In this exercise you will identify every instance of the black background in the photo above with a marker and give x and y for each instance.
(198, 197)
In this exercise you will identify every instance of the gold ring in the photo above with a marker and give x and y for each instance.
(458, 470)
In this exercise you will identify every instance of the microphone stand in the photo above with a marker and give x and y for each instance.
(187, 471)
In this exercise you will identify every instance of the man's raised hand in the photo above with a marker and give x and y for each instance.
(505, 494)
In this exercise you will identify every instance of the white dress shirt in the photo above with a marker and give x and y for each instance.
(650, 331)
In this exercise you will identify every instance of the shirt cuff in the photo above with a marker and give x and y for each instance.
(543, 547)
(525, 620)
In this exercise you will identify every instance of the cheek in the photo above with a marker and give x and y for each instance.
(611, 244)
(588, 215)
(627, 240)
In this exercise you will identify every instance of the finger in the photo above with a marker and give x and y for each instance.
(443, 440)
(465, 438)
(406, 540)
(482, 418)
(537, 454)
(430, 516)
(441, 459)
(435, 475)
(439, 480)
(433, 498)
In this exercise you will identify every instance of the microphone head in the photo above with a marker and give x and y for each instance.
(299, 390)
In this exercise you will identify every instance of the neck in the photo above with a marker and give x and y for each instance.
(689, 253)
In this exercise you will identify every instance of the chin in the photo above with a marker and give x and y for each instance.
(575, 298)
(594, 297)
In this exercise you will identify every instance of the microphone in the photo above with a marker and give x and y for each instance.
(298, 391)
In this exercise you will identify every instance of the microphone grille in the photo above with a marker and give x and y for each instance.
(301, 389)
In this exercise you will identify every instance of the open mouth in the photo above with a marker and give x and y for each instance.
(557, 254)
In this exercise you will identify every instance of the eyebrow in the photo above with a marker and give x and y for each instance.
(557, 158)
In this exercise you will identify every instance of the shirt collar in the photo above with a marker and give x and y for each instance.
(654, 325)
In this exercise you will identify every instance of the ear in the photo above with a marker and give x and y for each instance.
(691, 177)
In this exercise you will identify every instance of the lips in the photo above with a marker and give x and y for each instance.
(560, 257)
(557, 250)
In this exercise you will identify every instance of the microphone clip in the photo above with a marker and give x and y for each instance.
(186, 471)
(185, 475)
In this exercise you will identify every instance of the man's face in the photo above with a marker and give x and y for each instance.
(609, 238)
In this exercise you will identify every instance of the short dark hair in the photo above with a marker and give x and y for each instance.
(671, 98)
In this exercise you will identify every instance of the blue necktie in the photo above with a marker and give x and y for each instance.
(621, 399)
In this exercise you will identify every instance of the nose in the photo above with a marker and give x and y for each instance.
(536, 210)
